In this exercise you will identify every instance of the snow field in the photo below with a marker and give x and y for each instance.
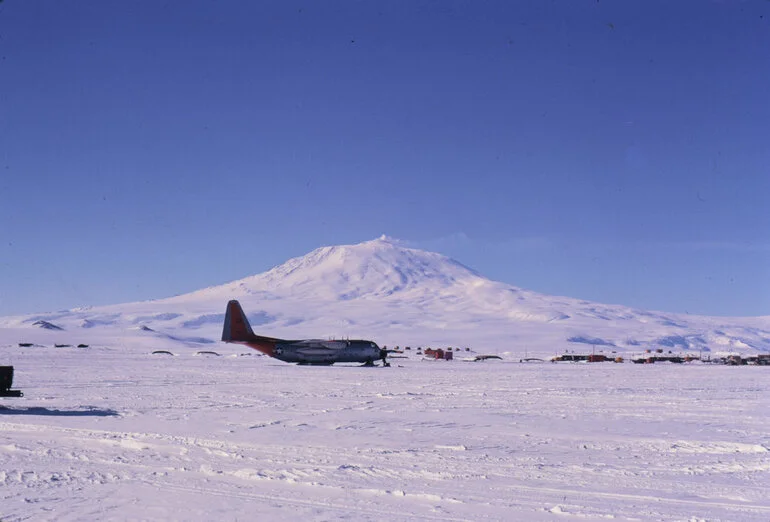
(106, 434)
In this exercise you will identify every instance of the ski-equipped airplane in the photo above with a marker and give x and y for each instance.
(304, 351)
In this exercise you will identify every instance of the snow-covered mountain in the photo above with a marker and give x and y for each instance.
(397, 296)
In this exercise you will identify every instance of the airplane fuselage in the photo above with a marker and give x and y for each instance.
(326, 352)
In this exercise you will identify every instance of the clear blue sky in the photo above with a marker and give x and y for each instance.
(616, 151)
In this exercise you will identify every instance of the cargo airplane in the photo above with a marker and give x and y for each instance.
(303, 351)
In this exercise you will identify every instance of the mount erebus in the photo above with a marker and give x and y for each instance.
(394, 295)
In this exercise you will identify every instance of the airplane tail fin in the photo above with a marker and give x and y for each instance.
(238, 330)
(237, 327)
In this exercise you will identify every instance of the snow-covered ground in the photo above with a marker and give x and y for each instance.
(121, 434)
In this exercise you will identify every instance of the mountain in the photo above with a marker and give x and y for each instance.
(397, 296)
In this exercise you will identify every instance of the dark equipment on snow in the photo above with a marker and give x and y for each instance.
(6, 381)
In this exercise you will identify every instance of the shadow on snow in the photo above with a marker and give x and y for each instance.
(89, 412)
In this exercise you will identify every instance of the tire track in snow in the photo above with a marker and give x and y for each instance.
(383, 514)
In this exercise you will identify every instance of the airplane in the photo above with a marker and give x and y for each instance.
(303, 351)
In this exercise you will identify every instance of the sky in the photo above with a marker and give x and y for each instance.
(610, 151)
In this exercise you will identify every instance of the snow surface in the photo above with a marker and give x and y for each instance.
(122, 434)
(394, 295)
(115, 432)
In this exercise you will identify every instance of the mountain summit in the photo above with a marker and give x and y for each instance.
(383, 290)
(373, 269)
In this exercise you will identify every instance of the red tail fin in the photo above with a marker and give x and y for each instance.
(237, 327)
(238, 330)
